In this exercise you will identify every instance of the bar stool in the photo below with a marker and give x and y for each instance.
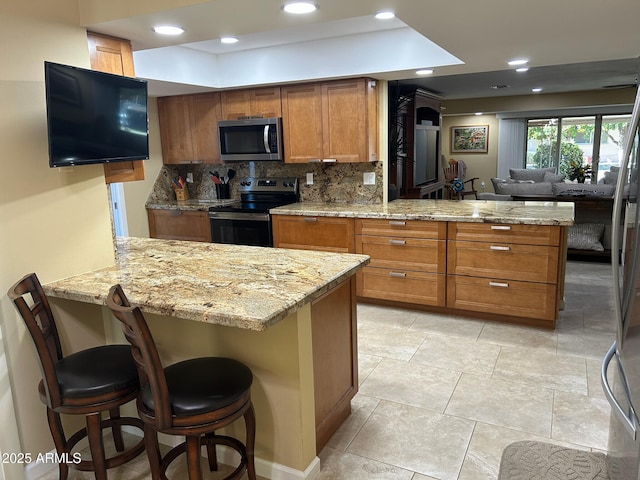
(193, 398)
(88, 382)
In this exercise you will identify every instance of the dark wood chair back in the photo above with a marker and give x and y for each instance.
(32, 304)
(145, 354)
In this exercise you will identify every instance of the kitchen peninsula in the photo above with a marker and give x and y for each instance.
(288, 315)
(501, 261)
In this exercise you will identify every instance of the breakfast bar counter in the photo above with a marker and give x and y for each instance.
(237, 286)
(289, 315)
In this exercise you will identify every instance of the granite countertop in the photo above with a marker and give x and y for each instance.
(514, 212)
(193, 205)
(233, 285)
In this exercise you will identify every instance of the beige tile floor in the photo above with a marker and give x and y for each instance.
(440, 396)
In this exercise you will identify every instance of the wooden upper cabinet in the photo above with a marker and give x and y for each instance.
(331, 121)
(302, 123)
(258, 102)
(346, 127)
(114, 55)
(189, 128)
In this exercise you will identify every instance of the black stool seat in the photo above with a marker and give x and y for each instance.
(97, 371)
(202, 385)
(88, 383)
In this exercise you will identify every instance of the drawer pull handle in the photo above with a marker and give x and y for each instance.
(397, 274)
(310, 219)
(397, 242)
(500, 227)
(499, 248)
(499, 284)
(396, 222)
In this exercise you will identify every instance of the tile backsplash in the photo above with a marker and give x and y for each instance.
(332, 182)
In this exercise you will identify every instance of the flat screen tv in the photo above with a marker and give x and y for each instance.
(94, 117)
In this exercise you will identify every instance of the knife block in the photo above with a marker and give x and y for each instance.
(182, 194)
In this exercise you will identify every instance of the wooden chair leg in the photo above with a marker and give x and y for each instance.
(250, 442)
(59, 440)
(212, 454)
(116, 430)
(153, 451)
(193, 457)
(96, 445)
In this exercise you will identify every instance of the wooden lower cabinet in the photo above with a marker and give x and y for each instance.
(335, 358)
(408, 261)
(507, 270)
(502, 297)
(417, 288)
(331, 234)
(171, 224)
(495, 271)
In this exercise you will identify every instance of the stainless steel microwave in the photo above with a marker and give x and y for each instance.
(251, 139)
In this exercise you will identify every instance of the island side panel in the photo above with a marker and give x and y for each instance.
(335, 358)
(282, 365)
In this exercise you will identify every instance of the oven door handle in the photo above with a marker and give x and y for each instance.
(255, 217)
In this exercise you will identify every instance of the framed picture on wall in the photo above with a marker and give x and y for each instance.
(470, 139)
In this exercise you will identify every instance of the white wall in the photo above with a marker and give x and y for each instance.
(52, 222)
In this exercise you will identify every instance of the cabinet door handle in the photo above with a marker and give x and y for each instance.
(500, 227)
(499, 248)
(397, 274)
(498, 284)
(397, 223)
(310, 219)
(397, 242)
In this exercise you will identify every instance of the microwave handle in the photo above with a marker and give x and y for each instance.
(265, 139)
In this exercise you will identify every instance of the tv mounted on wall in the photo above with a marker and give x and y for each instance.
(94, 117)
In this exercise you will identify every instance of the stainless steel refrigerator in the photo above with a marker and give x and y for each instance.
(621, 365)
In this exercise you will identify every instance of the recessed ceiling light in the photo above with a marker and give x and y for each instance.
(424, 71)
(300, 7)
(385, 15)
(517, 61)
(168, 30)
(536, 90)
(522, 69)
(229, 40)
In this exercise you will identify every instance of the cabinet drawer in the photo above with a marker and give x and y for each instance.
(329, 234)
(402, 286)
(497, 296)
(492, 232)
(404, 228)
(179, 225)
(511, 261)
(416, 254)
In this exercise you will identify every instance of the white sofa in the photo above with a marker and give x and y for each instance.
(543, 181)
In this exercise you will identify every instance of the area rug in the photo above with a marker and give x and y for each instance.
(543, 461)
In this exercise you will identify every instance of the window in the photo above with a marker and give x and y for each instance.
(595, 141)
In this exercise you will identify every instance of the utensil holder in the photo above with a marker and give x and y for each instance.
(182, 194)
(223, 191)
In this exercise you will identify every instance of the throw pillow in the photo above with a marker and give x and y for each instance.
(535, 174)
(586, 236)
(553, 178)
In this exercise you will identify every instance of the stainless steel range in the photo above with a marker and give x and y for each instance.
(247, 222)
